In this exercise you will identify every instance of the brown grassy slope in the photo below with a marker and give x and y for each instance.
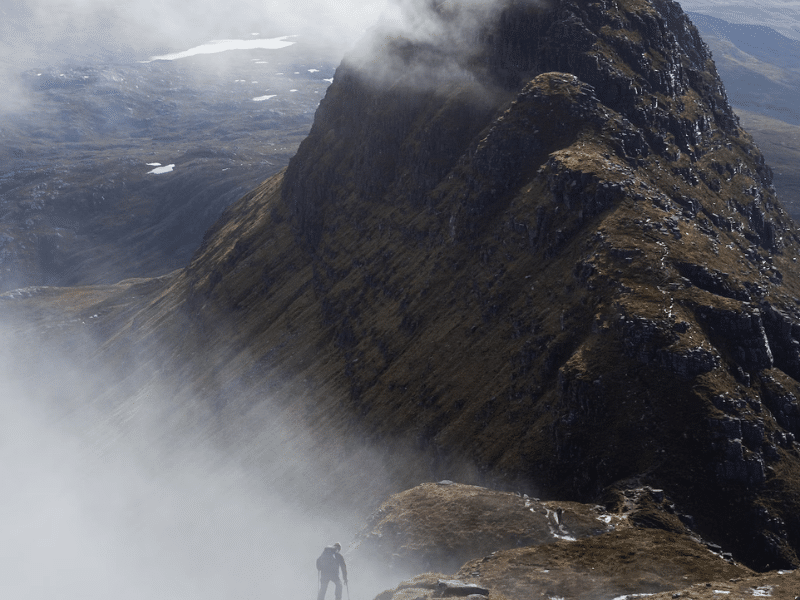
(611, 331)
(623, 562)
(520, 575)
(513, 353)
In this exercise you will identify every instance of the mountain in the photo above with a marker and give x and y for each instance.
(533, 249)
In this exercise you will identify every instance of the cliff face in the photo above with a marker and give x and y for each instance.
(586, 283)
(564, 267)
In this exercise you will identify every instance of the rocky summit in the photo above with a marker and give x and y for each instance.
(534, 251)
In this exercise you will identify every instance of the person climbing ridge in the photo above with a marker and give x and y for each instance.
(328, 565)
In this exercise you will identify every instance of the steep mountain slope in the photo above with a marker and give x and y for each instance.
(554, 261)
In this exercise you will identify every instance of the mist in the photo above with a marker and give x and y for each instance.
(39, 34)
(422, 44)
(98, 29)
(113, 494)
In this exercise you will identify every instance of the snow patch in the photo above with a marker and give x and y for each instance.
(217, 46)
(764, 591)
(153, 164)
(262, 98)
(329, 80)
(561, 533)
(161, 170)
(313, 70)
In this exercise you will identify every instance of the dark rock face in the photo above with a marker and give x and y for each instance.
(650, 66)
(610, 146)
(564, 270)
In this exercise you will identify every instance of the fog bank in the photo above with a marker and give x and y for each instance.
(105, 498)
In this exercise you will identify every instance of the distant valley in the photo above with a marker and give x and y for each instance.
(80, 199)
(760, 68)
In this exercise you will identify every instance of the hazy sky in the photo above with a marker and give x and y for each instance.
(33, 32)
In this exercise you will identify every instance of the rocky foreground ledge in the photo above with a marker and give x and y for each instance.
(513, 546)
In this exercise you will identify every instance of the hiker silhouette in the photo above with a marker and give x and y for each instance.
(328, 565)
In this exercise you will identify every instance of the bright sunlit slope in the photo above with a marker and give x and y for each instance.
(779, 15)
(780, 142)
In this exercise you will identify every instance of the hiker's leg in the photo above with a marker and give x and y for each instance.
(323, 587)
(338, 583)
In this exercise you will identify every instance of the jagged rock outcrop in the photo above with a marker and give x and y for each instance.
(512, 546)
(564, 269)
(617, 154)
(437, 527)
